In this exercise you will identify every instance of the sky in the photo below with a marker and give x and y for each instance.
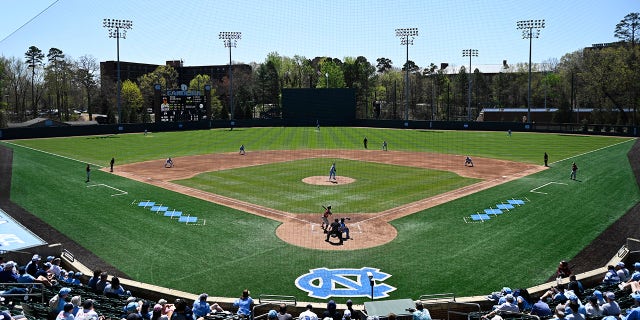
(188, 30)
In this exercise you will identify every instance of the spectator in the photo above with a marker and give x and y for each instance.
(34, 265)
(24, 277)
(76, 301)
(633, 280)
(55, 268)
(556, 294)
(182, 311)
(102, 283)
(623, 272)
(559, 313)
(563, 270)
(114, 289)
(57, 303)
(420, 313)
(611, 308)
(167, 308)
(131, 306)
(272, 315)
(283, 314)
(69, 278)
(66, 314)
(9, 273)
(157, 312)
(495, 296)
(75, 279)
(575, 286)
(144, 309)
(593, 308)
(522, 299)
(633, 314)
(508, 306)
(355, 314)
(244, 304)
(201, 307)
(309, 314)
(332, 311)
(573, 309)
(611, 277)
(541, 309)
(599, 296)
(93, 281)
(87, 312)
(346, 315)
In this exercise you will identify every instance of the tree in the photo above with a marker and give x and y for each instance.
(54, 71)
(384, 65)
(33, 57)
(131, 102)
(165, 76)
(198, 83)
(627, 28)
(335, 74)
(87, 67)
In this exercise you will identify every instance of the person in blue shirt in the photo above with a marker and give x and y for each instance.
(611, 277)
(633, 314)
(201, 307)
(244, 304)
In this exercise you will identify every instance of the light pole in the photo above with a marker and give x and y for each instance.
(527, 27)
(230, 40)
(406, 36)
(371, 282)
(118, 29)
(469, 53)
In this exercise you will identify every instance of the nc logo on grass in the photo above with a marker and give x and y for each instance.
(323, 283)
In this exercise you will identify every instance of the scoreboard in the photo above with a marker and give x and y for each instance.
(182, 107)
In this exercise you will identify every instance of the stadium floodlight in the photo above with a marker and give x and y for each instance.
(118, 29)
(230, 39)
(406, 36)
(469, 53)
(527, 27)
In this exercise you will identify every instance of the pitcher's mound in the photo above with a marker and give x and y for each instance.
(324, 180)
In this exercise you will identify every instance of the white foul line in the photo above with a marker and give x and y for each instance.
(544, 185)
(122, 192)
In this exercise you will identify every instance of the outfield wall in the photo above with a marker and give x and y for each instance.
(103, 129)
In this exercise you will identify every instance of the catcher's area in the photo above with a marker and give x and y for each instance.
(367, 229)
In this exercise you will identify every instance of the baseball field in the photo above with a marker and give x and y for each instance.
(259, 213)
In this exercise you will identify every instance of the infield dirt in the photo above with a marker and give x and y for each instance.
(303, 230)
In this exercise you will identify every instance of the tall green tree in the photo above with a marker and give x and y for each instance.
(131, 102)
(383, 65)
(165, 76)
(33, 57)
(86, 73)
(54, 77)
(628, 28)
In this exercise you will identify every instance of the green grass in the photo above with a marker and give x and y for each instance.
(434, 251)
(378, 187)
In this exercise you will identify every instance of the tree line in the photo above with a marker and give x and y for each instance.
(604, 78)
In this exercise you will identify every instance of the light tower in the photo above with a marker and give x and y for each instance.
(527, 27)
(406, 36)
(118, 29)
(230, 40)
(469, 53)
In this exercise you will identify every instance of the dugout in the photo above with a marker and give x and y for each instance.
(303, 107)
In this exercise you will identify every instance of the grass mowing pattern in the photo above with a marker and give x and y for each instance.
(435, 251)
(378, 187)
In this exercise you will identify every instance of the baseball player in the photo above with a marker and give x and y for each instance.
(332, 172)
(325, 218)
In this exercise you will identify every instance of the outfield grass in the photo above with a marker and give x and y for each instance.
(378, 187)
(435, 251)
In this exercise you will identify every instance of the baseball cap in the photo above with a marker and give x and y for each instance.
(131, 307)
(506, 290)
(203, 296)
(64, 291)
(635, 296)
(620, 264)
(272, 314)
(610, 295)
(347, 313)
(636, 265)
(35, 257)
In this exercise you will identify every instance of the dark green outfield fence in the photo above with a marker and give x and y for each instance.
(100, 129)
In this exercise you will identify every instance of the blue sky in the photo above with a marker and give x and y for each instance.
(188, 30)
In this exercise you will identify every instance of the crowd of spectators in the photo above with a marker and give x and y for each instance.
(69, 297)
